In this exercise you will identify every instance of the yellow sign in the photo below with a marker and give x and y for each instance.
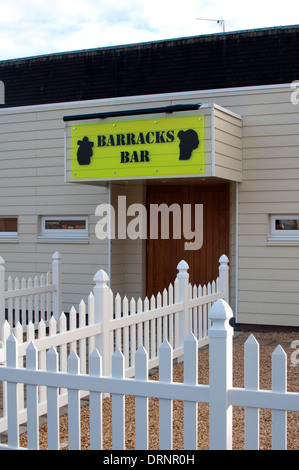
(138, 148)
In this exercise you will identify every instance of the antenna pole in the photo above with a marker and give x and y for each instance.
(221, 22)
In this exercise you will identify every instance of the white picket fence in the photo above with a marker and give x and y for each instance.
(179, 309)
(219, 394)
(108, 322)
(72, 334)
(31, 300)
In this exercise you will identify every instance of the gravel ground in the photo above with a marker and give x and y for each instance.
(268, 342)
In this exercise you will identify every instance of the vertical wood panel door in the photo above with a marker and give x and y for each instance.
(163, 255)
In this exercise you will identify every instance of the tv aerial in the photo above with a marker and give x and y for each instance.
(220, 22)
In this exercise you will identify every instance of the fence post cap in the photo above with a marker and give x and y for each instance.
(220, 311)
(183, 266)
(223, 259)
(56, 255)
(101, 277)
(2, 260)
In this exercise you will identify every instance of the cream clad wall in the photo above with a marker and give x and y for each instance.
(266, 273)
(31, 186)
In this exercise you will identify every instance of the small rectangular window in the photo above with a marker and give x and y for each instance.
(64, 227)
(8, 227)
(284, 227)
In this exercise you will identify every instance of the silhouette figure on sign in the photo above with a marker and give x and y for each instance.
(84, 153)
(188, 142)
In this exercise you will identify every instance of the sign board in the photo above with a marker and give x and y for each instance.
(143, 148)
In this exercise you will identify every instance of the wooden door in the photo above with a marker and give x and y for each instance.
(163, 256)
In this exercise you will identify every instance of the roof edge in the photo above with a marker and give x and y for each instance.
(148, 43)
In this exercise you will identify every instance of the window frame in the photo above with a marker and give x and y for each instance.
(9, 235)
(61, 233)
(283, 235)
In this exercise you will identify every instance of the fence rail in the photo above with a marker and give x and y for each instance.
(31, 300)
(179, 309)
(219, 394)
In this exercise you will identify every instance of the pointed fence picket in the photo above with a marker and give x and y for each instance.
(30, 299)
(279, 384)
(178, 309)
(219, 394)
(252, 383)
(65, 336)
(108, 323)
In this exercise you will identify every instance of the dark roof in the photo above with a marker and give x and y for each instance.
(243, 58)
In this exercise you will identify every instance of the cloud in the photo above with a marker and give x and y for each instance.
(39, 27)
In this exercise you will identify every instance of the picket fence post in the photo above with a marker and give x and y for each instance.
(224, 276)
(102, 315)
(56, 280)
(12, 394)
(2, 290)
(220, 363)
(183, 292)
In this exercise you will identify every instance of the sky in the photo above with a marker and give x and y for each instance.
(36, 27)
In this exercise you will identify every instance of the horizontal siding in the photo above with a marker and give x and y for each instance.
(269, 275)
(232, 247)
(32, 185)
(128, 256)
(228, 143)
(275, 264)
(32, 157)
(270, 185)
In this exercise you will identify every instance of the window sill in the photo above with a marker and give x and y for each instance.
(9, 240)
